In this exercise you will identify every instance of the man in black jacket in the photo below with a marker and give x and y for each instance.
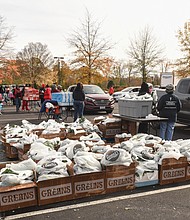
(79, 97)
(168, 106)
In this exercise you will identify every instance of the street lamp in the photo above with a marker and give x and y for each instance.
(59, 76)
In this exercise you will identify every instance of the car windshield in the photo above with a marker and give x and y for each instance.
(92, 89)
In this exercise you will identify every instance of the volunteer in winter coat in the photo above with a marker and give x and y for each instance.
(168, 106)
(111, 90)
(17, 95)
(47, 93)
(24, 99)
(78, 97)
(47, 98)
(143, 127)
(41, 93)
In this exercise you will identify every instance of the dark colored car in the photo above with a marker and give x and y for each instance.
(183, 92)
(96, 99)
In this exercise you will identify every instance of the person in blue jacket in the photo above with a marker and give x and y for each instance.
(168, 107)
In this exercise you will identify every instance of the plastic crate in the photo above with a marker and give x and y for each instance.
(134, 108)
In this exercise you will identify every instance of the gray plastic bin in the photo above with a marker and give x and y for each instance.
(134, 108)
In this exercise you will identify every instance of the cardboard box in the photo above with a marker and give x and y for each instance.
(74, 136)
(22, 155)
(3, 164)
(4, 143)
(129, 127)
(110, 130)
(97, 120)
(20, 196)
(37, 131)
(89, 184)
(188, 171)
(55, 190)
(61, 135)
(26, 148)
(11, 152)
(3, 138)
(134, 108)
(113, 124)
(120, 178)
(121, 139)
(172, 170)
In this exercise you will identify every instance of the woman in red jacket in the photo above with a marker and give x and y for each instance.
(47, 93)
(111, 90)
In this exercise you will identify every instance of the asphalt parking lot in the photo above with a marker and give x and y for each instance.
(152, 202)
(10, 116)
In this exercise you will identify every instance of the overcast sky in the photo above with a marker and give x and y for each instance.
(51, 21)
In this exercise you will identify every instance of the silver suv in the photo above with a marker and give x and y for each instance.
(183, 92)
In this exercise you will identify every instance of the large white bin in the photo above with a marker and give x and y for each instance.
(134, 108)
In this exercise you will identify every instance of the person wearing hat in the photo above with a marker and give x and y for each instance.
(168, 107)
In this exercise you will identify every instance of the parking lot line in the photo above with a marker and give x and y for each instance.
(92, 203)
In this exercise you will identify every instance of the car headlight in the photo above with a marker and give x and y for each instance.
(111, 99)
(88, 99)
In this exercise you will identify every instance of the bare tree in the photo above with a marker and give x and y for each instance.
(90, 47)
(183, 64)
(129, 66)
(6, 37)
(34, 62)
(144, 52)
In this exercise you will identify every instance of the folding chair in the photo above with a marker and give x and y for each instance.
(53, 112)
(50, 110)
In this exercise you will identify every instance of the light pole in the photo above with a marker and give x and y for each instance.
(59, 76)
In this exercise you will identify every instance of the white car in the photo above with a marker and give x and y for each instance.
(160, 92)
(127, 91)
